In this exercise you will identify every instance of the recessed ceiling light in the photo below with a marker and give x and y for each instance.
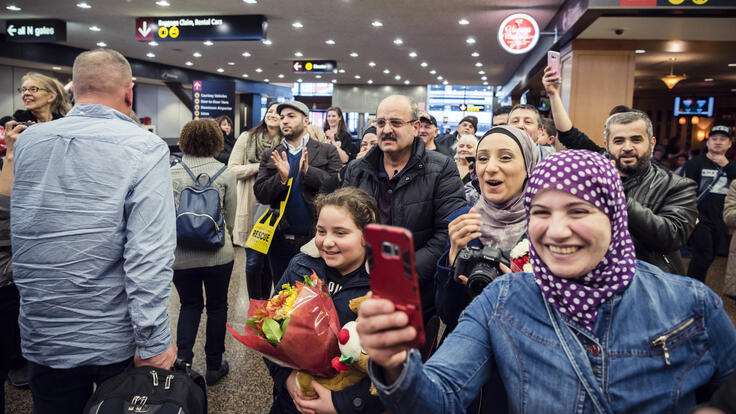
(485, 83)
(478, 64)
(101, 44)
(267, 42)
(220, 70)
(370, 81)
(357, 76)
(377, 23)
(334, 81)
(432, 72)
(163, 3)
(281, 75)
(56, 68)
(197, 54)
(470, 40)
(231, 63)
(423, 64)
(475, 54)
(208, 43)
(266, 80)
(412, 54)
(189, 63)
(481, 72)
(246, 54)
(259, 70)
(13, 8)
(732, 65)
(397, 77)
(386, 71)
(353, 54)
(153, 43)
(371, 64)
(94, 28)
(708, 79)
(445, 82)
(341, 70)
(463, 22)
(406, 82)
(151, 55)
(733, 90)
(298, 54)
(133, 78)
(300, 80)
(640, 51)
(440, 77)
(84, 5)
(250, 1)
(330, 42)
(245, 75)
(398, 41)
(318, 76)
(297, 25)
(484, 78)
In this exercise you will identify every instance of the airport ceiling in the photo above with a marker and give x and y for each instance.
(433, 30)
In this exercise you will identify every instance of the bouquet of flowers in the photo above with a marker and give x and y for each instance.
(520, 257)
(297, 328)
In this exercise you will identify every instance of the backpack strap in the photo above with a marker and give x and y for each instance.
(214, 177)
(191, 174)
(705, 192)
(196, 178)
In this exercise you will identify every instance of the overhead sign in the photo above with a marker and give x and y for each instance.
(314, 66)
(670, 3)
(471, 107)
(518, 33)
(187, 28)
(212, 98)
(36, 30)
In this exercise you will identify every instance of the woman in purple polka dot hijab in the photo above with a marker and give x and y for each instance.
(593, 180)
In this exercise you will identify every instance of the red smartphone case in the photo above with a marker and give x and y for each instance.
(392, 272)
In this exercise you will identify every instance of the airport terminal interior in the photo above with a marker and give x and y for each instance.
(674, 60)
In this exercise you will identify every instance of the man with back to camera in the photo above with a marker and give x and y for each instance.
(713, 173)
(310, 163)
(93, 236)
(428, 132)
(466, 126)
(661, 206)
(414, 188)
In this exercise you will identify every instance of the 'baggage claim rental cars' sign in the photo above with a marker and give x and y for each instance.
(237, 27)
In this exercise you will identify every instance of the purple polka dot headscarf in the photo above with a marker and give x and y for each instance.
(590, 177)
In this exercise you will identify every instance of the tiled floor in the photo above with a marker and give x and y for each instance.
(247, 389)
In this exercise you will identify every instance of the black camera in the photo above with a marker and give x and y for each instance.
(480, 265)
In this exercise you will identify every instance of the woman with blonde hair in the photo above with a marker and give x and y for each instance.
(44, 99)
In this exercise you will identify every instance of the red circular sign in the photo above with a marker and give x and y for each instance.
(518, 33)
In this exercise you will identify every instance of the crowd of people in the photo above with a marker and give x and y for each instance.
(602, 317)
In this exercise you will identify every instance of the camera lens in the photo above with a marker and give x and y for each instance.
(483, 274)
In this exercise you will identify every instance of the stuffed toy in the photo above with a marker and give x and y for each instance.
(351, 366)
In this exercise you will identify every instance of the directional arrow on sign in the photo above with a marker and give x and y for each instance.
(297, 66)
(463, 107)
(144, 30)
(11, 30)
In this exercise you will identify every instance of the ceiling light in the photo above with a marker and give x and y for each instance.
(197, 54)
(334, 81)
(245, 75)
(386, 71)
(640, 51)
(475, 54)
(341, 70)
(406, 82)
(13, 8)
(330, 42)
(423, 64)
(101, 44)
(153, 43)
(281, 75)
(397, 77)
(266, 80)
(463, 22)
(246, 54)
(412, 54)
(398, 41)
(377, 23)
(298, 54)
(163, 3)
(370, 81)
(259, 70)
(189, 63)
(208, 43)
(440, 77)
(470, 40)
(318, 76)
(94, 28)
(671, 80)
(478, 64)
(445, 82)
(432, 72)
(732, 65)
(485, 83)
(371, 64)
(56, 68)
(300, 80)
(267, 42)
(133, 78)
(151, 55)
(84, 5)
(708, 79)
(220, 70)
(481, 72)
(250, 1)
(353, 54)
(733, 90)
(357, 76)
(297, 25)
(484, 78)
(231, 63)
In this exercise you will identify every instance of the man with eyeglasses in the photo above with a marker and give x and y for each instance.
(415, 188)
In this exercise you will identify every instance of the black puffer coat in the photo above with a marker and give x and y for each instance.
(429, 190)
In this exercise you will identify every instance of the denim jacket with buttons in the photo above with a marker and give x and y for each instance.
(653, 346)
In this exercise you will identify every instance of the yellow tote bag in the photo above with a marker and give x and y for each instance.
(264, 229)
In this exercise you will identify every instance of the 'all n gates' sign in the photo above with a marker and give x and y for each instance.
(35, 30)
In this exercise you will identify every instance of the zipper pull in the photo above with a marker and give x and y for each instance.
(662, 341)
(167, 385)
(155, 378)
(133, 403)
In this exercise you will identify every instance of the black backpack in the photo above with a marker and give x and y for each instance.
(151, 390)
(199, 221)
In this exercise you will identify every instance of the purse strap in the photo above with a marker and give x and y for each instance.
(585, 374)
(705, 192)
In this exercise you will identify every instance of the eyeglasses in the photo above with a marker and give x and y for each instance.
(395, 123)
(32, 89)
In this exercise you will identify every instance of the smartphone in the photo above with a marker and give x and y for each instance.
(553, 61)
(392, 272)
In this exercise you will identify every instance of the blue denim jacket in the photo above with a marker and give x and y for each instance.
(93, 236)
(507, 330)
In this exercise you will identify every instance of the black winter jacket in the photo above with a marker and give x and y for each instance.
(661, 207)
(429, 190)
(352, 399)
(324, 162)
